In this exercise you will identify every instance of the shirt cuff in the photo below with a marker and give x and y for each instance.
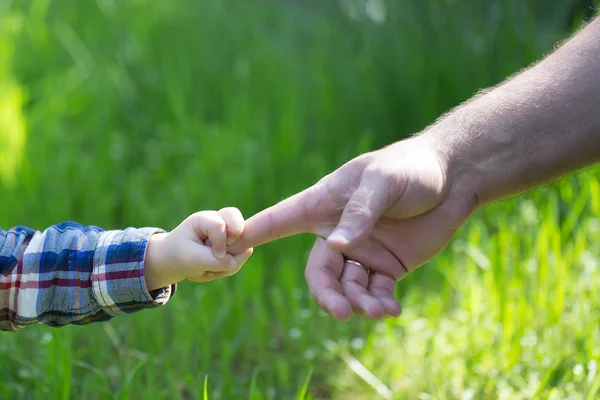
(118, 280)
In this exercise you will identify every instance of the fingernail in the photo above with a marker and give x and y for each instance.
(340, 236)
(233, 263)
(220, 255)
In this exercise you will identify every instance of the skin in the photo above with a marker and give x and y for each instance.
(396, 208)
(196, 249)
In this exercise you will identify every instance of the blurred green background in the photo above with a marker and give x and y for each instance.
(138, 113)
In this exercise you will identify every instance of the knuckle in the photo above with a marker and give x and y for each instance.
(231, 212)
(228, 210)
(235, 230)
(203, 214)
(383, 174)
(203, 219)
(351, 283)
(217, 224)
(358, 209)
(272, 226)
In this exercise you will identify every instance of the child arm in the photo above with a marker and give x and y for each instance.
(73, 274)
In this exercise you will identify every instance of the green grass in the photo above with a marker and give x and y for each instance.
(130, 113)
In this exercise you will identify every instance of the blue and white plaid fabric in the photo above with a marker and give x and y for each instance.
(73, 274)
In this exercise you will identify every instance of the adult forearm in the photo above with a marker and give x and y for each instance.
(531, 129)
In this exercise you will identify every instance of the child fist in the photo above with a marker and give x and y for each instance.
(196, 249)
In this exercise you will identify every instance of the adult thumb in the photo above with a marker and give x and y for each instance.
(363, 210)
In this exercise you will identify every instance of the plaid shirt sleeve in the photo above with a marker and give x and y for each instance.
(73, 274)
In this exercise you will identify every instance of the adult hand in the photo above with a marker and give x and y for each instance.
(394, 209)
(391, 210)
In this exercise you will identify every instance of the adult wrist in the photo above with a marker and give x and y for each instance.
(463, 167)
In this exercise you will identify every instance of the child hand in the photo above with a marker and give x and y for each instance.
(196, 249)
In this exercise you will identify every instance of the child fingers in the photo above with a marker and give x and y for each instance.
(209, 224)
(207, 277)
(234, 221)
(226, 264)
(242, 257)
(215, 268)
(205, 259)
(211, 276)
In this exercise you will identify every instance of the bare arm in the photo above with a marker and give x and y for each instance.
(396, 208)
(535, 127)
